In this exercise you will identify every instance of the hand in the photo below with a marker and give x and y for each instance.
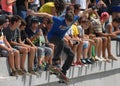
(10, 50)
(30, 12)
(112, 35)
(71, 42)
(35, 48)
(39, 33)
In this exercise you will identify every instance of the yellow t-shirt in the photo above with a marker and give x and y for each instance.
(47, 7)
(75, 30)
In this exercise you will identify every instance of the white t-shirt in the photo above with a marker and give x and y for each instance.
(37, 2)
(81, 30)
(69, 32)
(67, 1)
(82, 3)
(1, 40)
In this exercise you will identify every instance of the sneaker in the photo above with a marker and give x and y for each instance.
(14, 73)
(98, 59)
(20, 72)
(24, 71)
(83, 61)
(88, 61)
(38, 70)
(47, 67)
(102, 58)
(107, 60)
(73, 64)
(79, 63)
(112, 57)
(57, 64)
(31, 71)
(92, 60)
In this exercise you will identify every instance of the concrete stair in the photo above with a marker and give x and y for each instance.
(97, 74)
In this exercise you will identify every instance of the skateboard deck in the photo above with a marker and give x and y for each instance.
(59, 74)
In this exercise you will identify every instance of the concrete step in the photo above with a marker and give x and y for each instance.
(74, 73)
(97, 72)
(4, 67)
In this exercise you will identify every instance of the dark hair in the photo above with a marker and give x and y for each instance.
(15, 18)
(117, 19)
(49, 21)
(77, 6)
(69, 16)
(2, 19)
(23, 23)
(59, 6)
(83, 20)
(69, 8)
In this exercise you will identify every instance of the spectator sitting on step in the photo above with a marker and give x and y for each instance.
(28, 43)
(35, 34)
(114, 28)
(6, 50)
(13, 36)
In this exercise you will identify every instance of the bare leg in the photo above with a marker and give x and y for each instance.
(11, 61)
(24, 52)
(104, 46)
(79, 51)
(31, 57)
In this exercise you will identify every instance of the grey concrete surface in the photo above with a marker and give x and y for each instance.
(98, 74)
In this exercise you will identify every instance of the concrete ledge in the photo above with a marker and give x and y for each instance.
(98, 71)
(98, 74)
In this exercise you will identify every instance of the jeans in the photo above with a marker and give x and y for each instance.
(22, 14)
(59, 47)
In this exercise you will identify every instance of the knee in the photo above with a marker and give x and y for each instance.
(25, 50)
(32, 49)
(52, 46)
(16, 52)
(49, 52)
(71, 54)
(105, 40)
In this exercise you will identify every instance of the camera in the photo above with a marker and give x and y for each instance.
(75, 42)
(94, 7)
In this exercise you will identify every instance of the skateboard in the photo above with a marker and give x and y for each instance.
(59, 74)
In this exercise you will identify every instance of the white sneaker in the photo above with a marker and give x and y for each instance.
(97, 58)
(102, 58)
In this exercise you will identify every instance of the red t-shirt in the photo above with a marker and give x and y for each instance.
(6, 7)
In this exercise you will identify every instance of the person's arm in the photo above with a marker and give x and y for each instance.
(103, 34)
(80, 14)
(31, 12)
(109, 28)
(6, 42)
(87, 3)
(10, 1)
(26, 4)
(30, 42)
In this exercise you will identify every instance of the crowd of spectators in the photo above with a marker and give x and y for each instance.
(41, 30)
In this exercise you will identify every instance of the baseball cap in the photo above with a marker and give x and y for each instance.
(105, 15)
(34, 20)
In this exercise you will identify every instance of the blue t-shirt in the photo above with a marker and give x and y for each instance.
(59, 27)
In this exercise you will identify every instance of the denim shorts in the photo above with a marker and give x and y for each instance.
(44, 52)
(85, 44)
(5, 53)
(17, 47)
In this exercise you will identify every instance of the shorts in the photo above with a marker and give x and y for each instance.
(17, 47)
(85, 44)
(44, 52)
(5, 53)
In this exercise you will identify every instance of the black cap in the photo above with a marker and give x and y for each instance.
(2, 19)
(34, 20)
